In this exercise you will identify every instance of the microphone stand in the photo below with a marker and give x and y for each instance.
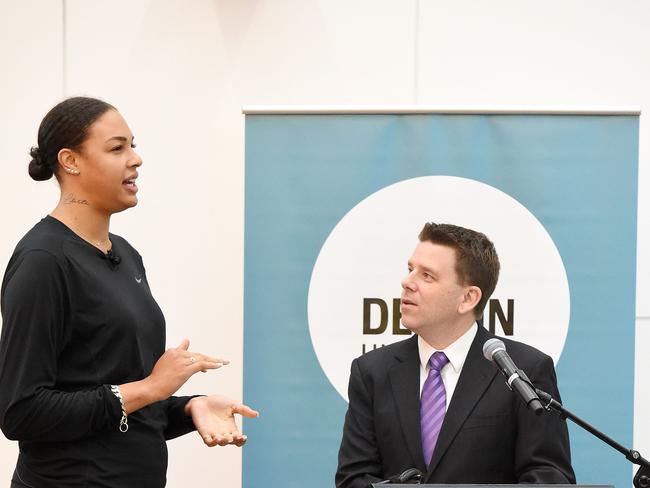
(642, 477)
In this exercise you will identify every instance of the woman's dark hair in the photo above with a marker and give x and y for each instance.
(65, 126)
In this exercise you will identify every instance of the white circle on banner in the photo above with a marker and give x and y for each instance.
(364, 258)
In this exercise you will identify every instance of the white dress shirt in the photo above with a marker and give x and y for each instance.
(455, 352)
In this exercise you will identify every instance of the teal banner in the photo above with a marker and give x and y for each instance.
(334, 204)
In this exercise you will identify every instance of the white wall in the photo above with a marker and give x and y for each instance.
(180, 71)
(31, 78)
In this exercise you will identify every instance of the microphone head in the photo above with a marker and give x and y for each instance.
(491, 346)
(113, 260)
(410, 475)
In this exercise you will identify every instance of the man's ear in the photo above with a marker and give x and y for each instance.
(471, 297)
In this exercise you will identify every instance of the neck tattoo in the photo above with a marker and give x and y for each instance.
(69, 198)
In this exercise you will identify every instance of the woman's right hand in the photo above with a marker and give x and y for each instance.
(176, 366)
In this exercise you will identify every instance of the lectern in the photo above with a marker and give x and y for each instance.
(490, 486)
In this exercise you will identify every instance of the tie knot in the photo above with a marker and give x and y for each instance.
(438, 360)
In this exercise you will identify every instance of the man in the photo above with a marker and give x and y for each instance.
(433, 402)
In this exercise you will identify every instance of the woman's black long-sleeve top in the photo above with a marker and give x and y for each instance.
(76, 322)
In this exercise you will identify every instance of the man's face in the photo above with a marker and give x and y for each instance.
(431, 292)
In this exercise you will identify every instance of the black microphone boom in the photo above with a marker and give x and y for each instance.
(495, 350)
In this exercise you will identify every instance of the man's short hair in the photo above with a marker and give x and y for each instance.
(477, 263)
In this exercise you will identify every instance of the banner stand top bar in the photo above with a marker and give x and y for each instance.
(438, 109)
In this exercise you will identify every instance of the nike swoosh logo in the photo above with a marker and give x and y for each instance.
(139, 280)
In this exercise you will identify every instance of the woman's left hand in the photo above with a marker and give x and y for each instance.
(214, 418)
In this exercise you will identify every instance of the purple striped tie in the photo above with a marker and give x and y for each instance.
(432, 405)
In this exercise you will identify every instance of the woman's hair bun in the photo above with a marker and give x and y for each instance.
(38, 168)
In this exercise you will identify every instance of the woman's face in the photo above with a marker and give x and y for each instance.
(107, 165)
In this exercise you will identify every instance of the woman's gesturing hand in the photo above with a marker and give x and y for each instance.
(176, 366)
(214, 419)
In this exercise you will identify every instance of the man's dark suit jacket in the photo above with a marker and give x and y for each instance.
(488, 435)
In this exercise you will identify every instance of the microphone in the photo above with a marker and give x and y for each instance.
(411, 476)
(495, 350)
(113, 259)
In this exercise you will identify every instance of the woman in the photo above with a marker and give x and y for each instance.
(85, 383)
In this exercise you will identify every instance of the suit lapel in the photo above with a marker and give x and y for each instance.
(476, 376)
(405, 383)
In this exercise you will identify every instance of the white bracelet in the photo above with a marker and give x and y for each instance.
(124, 423)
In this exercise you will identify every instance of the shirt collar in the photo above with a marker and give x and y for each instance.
(456, 352)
